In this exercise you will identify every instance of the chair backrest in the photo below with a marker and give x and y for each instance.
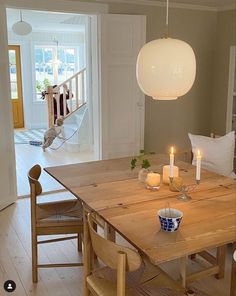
(109, 252)
(33, 176)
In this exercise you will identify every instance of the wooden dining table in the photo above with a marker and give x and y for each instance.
(112, 190)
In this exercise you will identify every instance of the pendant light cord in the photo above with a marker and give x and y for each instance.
(20, 15)
(167, 18)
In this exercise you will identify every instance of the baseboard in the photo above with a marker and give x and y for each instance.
(39, 126)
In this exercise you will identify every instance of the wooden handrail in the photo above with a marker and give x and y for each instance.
(58, 96)
(69, 79)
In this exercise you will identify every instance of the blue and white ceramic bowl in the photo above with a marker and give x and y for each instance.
(170, 219)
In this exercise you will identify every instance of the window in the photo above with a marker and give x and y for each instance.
(53, 65)
(13, 76)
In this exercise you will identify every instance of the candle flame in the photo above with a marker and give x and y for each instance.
(198, 153)
(172, 150)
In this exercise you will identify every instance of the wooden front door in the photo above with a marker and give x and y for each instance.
(16, 85)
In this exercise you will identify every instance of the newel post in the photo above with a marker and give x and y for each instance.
(49, 98)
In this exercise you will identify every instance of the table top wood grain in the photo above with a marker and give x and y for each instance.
(112, 190)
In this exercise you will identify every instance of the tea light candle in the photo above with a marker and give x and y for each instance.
(198, 166)
(166, 173)
(153, 180)
(172, 157)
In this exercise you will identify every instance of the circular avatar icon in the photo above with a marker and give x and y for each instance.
(9, 286)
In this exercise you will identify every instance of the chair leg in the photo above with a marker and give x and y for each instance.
(183, 271)
(34, 258)
(86, 254)
(79, 243)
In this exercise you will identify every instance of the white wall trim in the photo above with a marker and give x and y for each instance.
(59, 6)
(230, 89)
(162, 4)
(8, 193)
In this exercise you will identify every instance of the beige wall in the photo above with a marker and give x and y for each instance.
(168, 123)
(226, 37)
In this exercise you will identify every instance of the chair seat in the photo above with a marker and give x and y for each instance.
(61, 213)
(147, 280)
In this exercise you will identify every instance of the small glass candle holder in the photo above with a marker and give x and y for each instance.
(166, 173)
(184, 189)
(176, 185)
(153, 181)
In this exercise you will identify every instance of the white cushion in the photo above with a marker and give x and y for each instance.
(217, 153)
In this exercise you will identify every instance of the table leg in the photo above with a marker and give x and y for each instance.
(220, 261)
(233, 274)
(183, 270)
(109, 232)
(193, 256)
(86, 253)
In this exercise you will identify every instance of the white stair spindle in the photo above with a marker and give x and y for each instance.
(82, 77)
(70, 95)
(64, 102)
(58, 103)
(77, 91)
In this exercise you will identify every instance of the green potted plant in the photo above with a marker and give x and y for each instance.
(142, 162)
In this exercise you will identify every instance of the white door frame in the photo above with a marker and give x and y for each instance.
(232, 57)
(8, 165)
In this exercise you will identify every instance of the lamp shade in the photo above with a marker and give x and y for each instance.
(166, 68)
(22, 28)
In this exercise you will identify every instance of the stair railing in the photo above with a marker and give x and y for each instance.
(66, 97)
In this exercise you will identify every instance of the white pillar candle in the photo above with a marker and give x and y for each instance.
(166, 173)
(172, 157)
(198, 166)
(153, 179)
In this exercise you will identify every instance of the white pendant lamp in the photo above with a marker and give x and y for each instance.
(22, 28)
(166, 68)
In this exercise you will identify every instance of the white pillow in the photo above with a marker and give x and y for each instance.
(217, 153)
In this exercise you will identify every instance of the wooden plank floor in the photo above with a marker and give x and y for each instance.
(27, 156)
(15, 259)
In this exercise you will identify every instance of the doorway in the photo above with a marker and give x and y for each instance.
(16, 85)
(56, 53)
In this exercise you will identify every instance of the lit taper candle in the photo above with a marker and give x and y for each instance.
(172, 157)
(198, 166)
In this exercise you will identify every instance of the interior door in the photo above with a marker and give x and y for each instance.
(122, 102)
(16, 85)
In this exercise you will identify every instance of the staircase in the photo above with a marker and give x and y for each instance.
(69, 100)
(76, 130)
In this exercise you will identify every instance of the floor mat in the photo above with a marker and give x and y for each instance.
(23, 137)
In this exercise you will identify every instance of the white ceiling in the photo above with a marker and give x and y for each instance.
(48, 21)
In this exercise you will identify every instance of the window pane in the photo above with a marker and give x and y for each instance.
(61, 55)
(70, 56)
(13, 76)
(43, 69)
(53, 65)
(47, 55)
(14, 91)
(12, 57)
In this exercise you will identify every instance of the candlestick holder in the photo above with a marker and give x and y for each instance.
(184, 190)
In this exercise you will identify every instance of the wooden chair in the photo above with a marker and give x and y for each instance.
(52, 218)
(217, 262)
(126, 272)
(233, 273)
